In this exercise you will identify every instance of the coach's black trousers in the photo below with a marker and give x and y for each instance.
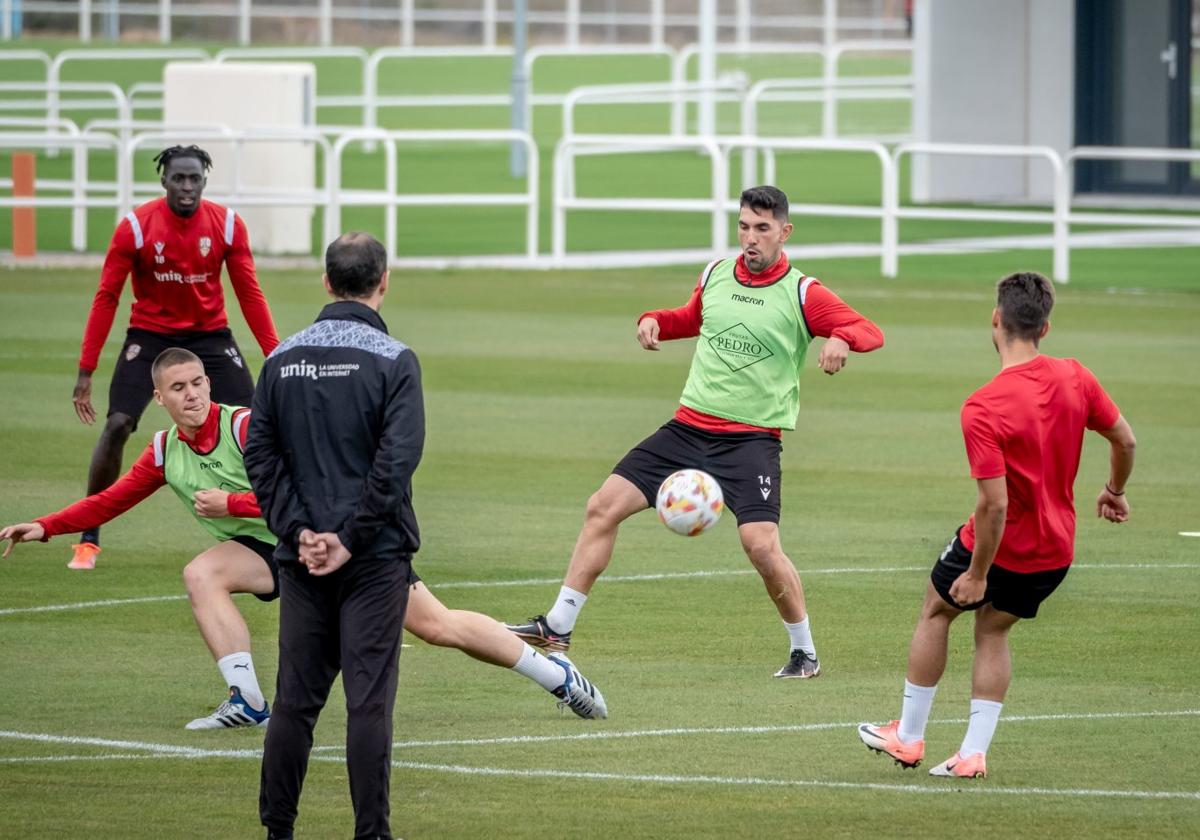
(352, 621)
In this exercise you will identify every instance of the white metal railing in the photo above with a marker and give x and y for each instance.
(79, 201)
(123, 56)
(28, 55)
(717, 205)
(1057, 215)
(238, 192)
(357, 54)
(833, 58)
(390, 199)
(570, 16)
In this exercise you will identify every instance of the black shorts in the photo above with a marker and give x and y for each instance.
(267, 552)
(745, 464)
(1017, 593)
(132, 387)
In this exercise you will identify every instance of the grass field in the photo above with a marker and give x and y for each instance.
(534, 388)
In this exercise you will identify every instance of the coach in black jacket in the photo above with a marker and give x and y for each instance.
(335, 435)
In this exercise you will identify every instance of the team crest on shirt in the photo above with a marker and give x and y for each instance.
(131, 352)
(158, 247)
(205, 245)
(232, 353)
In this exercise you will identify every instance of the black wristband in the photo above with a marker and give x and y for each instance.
(1112, 491)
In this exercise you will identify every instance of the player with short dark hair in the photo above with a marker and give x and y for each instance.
(756, 316)
(1024, 434)
(174, 248)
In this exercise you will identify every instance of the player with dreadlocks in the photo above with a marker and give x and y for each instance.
(174, 247)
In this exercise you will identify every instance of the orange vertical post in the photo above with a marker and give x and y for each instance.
(24, 222)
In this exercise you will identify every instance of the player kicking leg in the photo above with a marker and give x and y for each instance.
(487, 640)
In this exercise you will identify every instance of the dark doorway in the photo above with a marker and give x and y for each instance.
(1133, 87)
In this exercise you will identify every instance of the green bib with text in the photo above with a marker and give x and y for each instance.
(751, 350)
(187, 471)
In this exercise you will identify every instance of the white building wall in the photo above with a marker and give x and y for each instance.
(991, 71)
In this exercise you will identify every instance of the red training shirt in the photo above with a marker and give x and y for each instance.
(143, 478)
(826, 315)
(176, 266)
(1027, 425)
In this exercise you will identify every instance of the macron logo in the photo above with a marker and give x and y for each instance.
(302, 369)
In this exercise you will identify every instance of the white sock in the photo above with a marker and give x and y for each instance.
(238, 670)
(801, 636)
(914, 713)
(563, 614)
(982, 726)
(539, 669)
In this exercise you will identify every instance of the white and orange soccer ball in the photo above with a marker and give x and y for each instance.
(690, 502)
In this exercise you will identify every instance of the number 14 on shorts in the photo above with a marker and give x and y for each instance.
(764, 486)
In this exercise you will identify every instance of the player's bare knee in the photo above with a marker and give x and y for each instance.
(763, 552)
(199, 576)
(601, 510)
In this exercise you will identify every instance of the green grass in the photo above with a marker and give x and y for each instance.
(534, 388)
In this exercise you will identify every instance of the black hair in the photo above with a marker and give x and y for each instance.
(355, 263)
(169, 358)
(1024, 300)
(767, 199)
(163, 158)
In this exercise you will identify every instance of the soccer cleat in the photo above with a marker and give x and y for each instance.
(576, 693)
(972, 767)
(800, 666)
(84, 556)
(233, 713)
(538, 633)
(886, 739)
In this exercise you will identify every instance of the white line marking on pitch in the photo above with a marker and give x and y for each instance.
(176, 751)
(1189, 533)
(477, 584)
(753, 781)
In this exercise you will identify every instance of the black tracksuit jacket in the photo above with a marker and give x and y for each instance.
(336, 432)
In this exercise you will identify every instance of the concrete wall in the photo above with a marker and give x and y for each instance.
(991, 71)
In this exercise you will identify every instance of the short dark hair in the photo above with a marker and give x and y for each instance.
(767, 199)
(1024, 300)
(169, 358)
(355, 263)
(163, 158)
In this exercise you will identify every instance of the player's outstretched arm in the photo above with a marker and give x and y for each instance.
(1112, 503)
(19, 533)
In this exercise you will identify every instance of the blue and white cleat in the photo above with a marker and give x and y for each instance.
(576, 693)
(233, 713)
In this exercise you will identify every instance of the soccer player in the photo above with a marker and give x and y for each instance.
(174, 247)
(1024, 433)
(756, 316)
(200, 458)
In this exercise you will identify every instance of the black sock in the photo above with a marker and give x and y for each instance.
(92, 535)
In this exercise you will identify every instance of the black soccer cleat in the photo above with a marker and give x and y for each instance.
(539, 634)
(800, 666)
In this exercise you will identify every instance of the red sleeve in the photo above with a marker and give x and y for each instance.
(240, 264)
(1102, 411)
(985, 453)
(142, 479)
(118, 262)
(244, 505)
(682, 322)
(828, 316)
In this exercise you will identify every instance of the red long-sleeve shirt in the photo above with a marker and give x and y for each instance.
(176, 267)
(826, 315)
(142, 479)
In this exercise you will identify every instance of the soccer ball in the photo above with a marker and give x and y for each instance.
(690, 502)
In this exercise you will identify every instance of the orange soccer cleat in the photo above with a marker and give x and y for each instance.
(84, 556)
(971, 767)
(886, 739)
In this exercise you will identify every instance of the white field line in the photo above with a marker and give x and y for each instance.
(754, 781)
(42, 759)
(488, 584)
(174, 751)
(1189, 533)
